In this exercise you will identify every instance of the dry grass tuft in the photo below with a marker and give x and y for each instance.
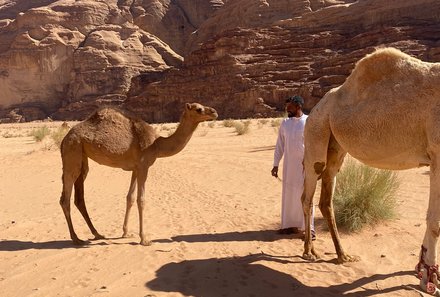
(228, 123)
(364, 196)
(40, 133)
(242, 128)
(263, 121)
(58, 135)
(276, 122)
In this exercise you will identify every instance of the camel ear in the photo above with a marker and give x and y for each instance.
(188, 106)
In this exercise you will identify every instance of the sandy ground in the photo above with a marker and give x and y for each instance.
(212, 214)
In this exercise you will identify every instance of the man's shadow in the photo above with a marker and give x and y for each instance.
(241, 276)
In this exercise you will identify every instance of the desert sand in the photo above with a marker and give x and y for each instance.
(213, 211)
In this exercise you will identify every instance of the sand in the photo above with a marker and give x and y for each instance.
(212, 214)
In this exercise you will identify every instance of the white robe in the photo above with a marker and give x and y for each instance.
(290, 144)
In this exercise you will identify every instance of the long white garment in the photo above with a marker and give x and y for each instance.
(290, 144)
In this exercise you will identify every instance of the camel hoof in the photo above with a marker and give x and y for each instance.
(347, 258)
(429, 281)
(145, 242)
(430, 288)
(312, 257)
(127, 235)
(99, 236)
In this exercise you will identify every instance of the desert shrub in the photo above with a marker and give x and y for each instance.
(242, 128)
(276, 122)
(40, 133)
(203, 132)
(211, 124)
(228, 123)
(58, 135)
(8, 134)
(263, 121)
(364, 195)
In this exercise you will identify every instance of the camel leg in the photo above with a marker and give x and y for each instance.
(141, 179)
(316, 140)
(428, 259)
(79, 197)
(307, 201)
(335, 158)
(65, 205)
(130, 202)
(71, 171)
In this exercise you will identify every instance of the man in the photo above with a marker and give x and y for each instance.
(290, 144)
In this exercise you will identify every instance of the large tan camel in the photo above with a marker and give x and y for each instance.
(387, 115)
(113, 138)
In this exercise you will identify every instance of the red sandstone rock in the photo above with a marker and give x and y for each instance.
(243, 57)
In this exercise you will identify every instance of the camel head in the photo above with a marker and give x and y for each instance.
(199, 113)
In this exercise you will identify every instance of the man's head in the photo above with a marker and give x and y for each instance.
(294, 106)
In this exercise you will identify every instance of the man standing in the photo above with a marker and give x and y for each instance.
(290, 144)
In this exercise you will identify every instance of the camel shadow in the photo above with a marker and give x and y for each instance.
(259, 235)
(17, 245)
(240, 276)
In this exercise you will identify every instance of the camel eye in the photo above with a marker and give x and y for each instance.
(199, 110)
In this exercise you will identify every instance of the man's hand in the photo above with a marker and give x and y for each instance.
(275, 171)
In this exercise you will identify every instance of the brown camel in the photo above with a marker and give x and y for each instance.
(113, 138)
(387, 115)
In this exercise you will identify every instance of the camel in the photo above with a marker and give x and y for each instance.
(113, 138)
(387, 115)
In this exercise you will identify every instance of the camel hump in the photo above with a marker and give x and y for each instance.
(140, 130)
(116, 130)
(386, 64)
(111, 114)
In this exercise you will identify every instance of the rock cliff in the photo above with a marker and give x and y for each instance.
(248, 72)
(63, 58)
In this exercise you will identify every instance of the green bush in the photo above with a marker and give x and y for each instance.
(40, 133)
(364, 195)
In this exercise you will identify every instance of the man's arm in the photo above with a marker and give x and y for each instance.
(279, 151)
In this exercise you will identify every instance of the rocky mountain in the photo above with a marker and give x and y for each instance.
(243, 57)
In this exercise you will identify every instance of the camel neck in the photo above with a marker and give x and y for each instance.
(168, 146)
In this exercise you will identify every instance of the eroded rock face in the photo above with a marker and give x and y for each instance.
(60, 53)
(252, 14)
(306, 55)
(173, 21)
(243, 57)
